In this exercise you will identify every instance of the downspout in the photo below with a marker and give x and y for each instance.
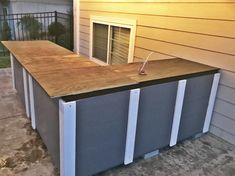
(76, 24)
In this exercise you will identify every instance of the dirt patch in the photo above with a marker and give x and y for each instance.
(29, 153)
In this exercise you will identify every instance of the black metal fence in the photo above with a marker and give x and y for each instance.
(54, 26)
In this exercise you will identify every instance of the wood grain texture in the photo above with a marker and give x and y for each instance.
(44, 64)
(163, 69)
(80, 81)
(69, 75)
(35, 48)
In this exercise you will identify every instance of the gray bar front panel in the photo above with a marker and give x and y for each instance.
(101, 132)
(47, 121)
(195, 106)
(19, 82)
(155, 117)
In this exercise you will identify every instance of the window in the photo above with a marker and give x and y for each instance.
(112, 40)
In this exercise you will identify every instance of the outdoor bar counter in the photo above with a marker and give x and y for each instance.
(92, 118)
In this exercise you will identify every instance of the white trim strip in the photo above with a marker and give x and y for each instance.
(31, 99)
(131, 126)
(76, 25)
(108, 46)
(26, 97)
(177, 112)
(67, 121)
(12, 70)
(114, 21)
(211, 102)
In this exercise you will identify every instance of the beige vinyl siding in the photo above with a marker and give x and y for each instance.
(223, 123)
(197, 30)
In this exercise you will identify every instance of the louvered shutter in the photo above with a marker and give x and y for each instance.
(119, 45)
(100, 41)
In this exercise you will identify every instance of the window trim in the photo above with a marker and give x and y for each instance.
(111, 21)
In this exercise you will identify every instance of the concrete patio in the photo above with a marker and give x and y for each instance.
(23, 153)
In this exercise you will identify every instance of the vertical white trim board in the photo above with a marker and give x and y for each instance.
(131, 125)
(178, 111)
(76, 25)
(211, 103)
(26, 97)
(67, 124)
(12, 70)
(31, 99)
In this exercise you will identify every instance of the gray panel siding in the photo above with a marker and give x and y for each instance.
(195, 106)
(47, 121)
(19, 82)
(101, 132)
(223, 120)
(222, 134)
(227, 78)
(226, 93)
(193, 117)
(225, 108)
(155, 117)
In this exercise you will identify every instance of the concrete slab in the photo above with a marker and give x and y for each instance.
(21, 149)
(5, 82)
(10, 106)
(206, 156)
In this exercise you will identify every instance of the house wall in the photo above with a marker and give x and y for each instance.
(31, 6)
(197, 30)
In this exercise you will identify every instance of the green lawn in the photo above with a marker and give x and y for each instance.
(5, 62)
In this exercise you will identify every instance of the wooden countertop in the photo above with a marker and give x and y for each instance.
(84, 80)
(163, 70)
(52, 63)
(35, 48)
(61, 73)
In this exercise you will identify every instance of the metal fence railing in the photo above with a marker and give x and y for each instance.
(54, 26)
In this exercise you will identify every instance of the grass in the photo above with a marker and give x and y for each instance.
(5, 62)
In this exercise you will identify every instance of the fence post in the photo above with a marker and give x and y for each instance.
(4, 19)
(56, 20)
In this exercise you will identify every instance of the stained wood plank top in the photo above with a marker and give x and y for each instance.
(81, 81)
(61, 73)
(50, 63)
(163, 70)
(35, 48)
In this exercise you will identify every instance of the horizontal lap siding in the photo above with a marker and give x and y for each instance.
(189, 10)
(197, 30)
(223, 121)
